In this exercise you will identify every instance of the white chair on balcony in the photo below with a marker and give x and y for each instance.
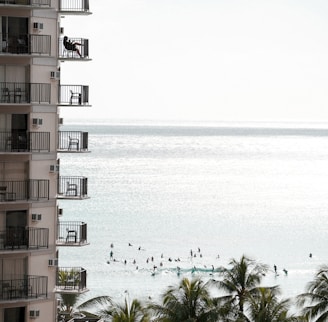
(5, 95)
(73, 142)
(71, 236)
(18, 95)
(8, 144)
(76, 96)
(71, 188)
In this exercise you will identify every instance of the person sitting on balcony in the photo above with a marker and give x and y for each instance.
(69, 45)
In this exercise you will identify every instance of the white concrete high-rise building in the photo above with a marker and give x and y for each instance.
(32, 47)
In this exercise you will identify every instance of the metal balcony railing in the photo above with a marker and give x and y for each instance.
(72, 187)
(73, 95)
(33, 3)
(72, 141)
(77, 49)
(85, 319)
(23, 141)
(24, 238)
(71, 233)
(74, 6)
(32, 189)
(26, 44)
(24, 287)
(24, 93)
(71, 280)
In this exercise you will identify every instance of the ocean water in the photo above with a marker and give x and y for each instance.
(218, 190)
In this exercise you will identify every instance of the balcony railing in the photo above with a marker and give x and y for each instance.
(24, 238)
(73, 95)
(72, 187)
(32, 3)
(24, 287)
(32, 189)
(71, 280)
(85, 319)
(71, 233)
(26, 44)
(79, 49)
(74, 6)
(22, 141)
(72, 141)
(24, 93)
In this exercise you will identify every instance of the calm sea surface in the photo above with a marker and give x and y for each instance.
(227, 189)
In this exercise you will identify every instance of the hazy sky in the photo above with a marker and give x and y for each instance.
(203, 59)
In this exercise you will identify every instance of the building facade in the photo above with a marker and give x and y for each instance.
(32, 226)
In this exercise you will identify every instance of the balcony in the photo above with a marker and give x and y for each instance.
(84, 319)
(71, 233)
(72, 188)
(28, 238)
(78, 49)
(25, 44)
(71, 280)
(72, 141)
(24, 93)
(34, 190)
(22, 141)
(24, 288)
(77, 7)
(30, 3)
(75, 95)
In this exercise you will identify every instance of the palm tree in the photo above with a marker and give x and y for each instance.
(240, 281)
(264, 306)
(190, 301)
(69, 303)
(128, 312)
(316, 297)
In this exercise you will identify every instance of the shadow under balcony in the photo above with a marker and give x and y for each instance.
(27, 44)
(24, 93)
(29, 238)
(25, 287)
(72, 141)
(23, 141)
(24, 190)
(74, 7)
(71, 233)
(73, 95)
(72, 187)
(75, 49)
(71, 280)
(39, 4)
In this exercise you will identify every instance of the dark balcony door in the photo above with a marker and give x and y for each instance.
(15, 314)
(19, 132)
(14, 34)
(16, 234)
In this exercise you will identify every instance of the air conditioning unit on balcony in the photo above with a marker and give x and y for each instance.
(36, 217)
(54, 168)
(34, 314)
(37, 25)
(60, 211)
(55, 75)
(37, 122)
(53, 262)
